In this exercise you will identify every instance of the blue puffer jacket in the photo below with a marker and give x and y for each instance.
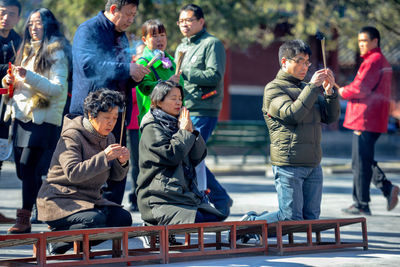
(100, 60)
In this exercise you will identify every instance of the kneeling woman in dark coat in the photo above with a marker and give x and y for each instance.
(169, 149)
(86, 157)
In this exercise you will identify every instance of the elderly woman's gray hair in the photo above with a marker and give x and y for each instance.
(161, 90)
(102, 101)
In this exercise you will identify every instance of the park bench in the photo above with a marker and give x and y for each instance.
(250, 135)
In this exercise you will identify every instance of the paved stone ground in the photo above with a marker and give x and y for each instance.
(252, 190)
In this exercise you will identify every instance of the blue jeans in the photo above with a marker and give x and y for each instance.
(218, 195)
(299, 194)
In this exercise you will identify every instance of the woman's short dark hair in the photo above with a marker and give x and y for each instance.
(292, 48)
(102, 101)
(153, 26)
(161, 90)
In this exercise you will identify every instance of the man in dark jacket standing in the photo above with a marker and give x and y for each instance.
(293, 111)
(101, 60)
(203, 71)
(10, 11)
(367, 113)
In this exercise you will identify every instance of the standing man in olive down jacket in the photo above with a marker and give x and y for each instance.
(293, 111)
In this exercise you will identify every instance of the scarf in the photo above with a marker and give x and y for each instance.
(170, 125)
(168, 122)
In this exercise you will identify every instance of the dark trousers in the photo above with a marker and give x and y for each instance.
(106, 216)
(134, 149)
(115, 189)
(203, 216)
(29, 171)
(365, 168)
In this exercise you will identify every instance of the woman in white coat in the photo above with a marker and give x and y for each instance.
(40, 82)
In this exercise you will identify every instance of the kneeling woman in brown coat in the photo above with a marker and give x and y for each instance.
(169, 149)
(85, 158)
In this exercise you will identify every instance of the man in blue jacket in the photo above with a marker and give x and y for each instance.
(101, 59)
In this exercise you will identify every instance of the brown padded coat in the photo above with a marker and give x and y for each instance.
(78, 170)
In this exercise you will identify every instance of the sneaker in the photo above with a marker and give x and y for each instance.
(393, 198)
(356, 210)
(248, 216)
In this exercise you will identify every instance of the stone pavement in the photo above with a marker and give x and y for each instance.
(251, 189)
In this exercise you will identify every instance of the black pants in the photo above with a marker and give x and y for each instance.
(29, 171)
(365, 168)
(107, 216)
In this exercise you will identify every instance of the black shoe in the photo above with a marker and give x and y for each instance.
(393, 199)
(173, 242)
(59, 247)
(357, 210)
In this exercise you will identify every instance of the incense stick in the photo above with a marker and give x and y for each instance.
(181, 55)
(13, 48)
(122, 126)
(323, 51)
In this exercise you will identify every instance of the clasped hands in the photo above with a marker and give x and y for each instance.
(325, 78)
(116, 151)
(185, 123)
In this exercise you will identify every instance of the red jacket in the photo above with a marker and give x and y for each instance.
(369, 94)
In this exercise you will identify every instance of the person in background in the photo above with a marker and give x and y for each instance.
(133, 133)
(154, 36)
(293, 111)
(86, 156)
(169, 150)
(367, 114)
(10, 12)
(101, 59)
(40, 83)
(203, 71)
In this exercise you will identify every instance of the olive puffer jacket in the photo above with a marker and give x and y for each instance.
(293, 111)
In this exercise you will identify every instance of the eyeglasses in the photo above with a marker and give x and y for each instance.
(301, 61)
(185, 21)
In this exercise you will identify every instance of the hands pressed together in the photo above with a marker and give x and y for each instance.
(115, 151)
(185, 123)
(325, 78)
